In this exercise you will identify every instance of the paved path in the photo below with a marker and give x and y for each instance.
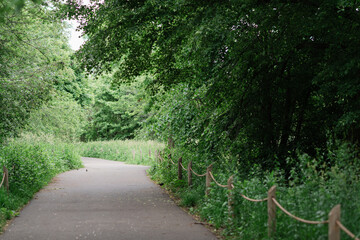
(111, 200)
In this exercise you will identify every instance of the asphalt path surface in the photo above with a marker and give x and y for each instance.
(104, 200)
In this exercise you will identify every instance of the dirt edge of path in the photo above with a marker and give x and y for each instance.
(217, 232)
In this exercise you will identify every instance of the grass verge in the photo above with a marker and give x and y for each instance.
(31, 166)
(310, 193)
(129, 151)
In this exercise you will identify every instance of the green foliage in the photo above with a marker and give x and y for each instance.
(33, 54)
(73, 82)
(12, 6)
(118, 111)
(269, 79)
(31, 166)
(61, 117)
(129, 151)
(310, 193)
(190, 198)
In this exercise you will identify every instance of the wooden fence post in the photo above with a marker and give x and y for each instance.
(230, 197)
(208, 179)
(171, 143)
(271, 211)
(169, 162)
(189, 174)
(133, 153)
(6, 180)
(158, 156)
(334, 229)
(180, 168)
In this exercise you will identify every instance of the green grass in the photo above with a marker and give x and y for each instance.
(129, 151)
(31, 165)
(310, 194)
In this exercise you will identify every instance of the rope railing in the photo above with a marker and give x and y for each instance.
(172, 161)
(183, 167)
(199, 175)
(220, 185)
(350, 234)
(334, 217)
(3, 179)
(250, 199)
(295, 217)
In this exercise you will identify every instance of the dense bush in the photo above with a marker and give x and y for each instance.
(117, 111)
(31, 166)
(62, 117)
(310, 193)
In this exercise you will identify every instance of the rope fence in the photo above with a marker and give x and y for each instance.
(2, 181)
(199, 175)
(220, 185)
(334, 224)
(295, 217)
(5, 179)
(350, 234)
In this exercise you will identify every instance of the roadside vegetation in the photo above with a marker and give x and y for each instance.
(31, 164)
(129, 151)
(265, 91)
(310, 193)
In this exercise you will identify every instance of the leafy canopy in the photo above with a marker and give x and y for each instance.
(278, 77)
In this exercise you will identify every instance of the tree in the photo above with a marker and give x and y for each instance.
(117, 111)
(10, 6)
(62, 118)
(33, 54)
(278, 77)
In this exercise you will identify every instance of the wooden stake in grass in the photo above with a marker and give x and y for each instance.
(189, 174)
(6, 180)
(133, 152)
(157, 156)
(170, 160)
(271, 211)
(171, 143)
(334, 229)
(230, 197)
(180, 168)
(208, 179)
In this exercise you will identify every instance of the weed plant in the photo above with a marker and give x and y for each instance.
(129, 151)
(31, 165)
(310, 193)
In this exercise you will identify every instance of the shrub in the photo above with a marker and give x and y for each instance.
(31, 165)
(310, 193)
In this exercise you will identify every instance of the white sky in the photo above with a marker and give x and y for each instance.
(75, 40)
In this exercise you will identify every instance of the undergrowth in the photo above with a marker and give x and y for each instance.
(31, 165)
(310, 193)
(129, 151)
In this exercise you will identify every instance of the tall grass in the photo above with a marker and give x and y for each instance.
(129, 151)
(310, 193)
(31, 165)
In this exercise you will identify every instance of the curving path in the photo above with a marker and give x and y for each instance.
(104, 200)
